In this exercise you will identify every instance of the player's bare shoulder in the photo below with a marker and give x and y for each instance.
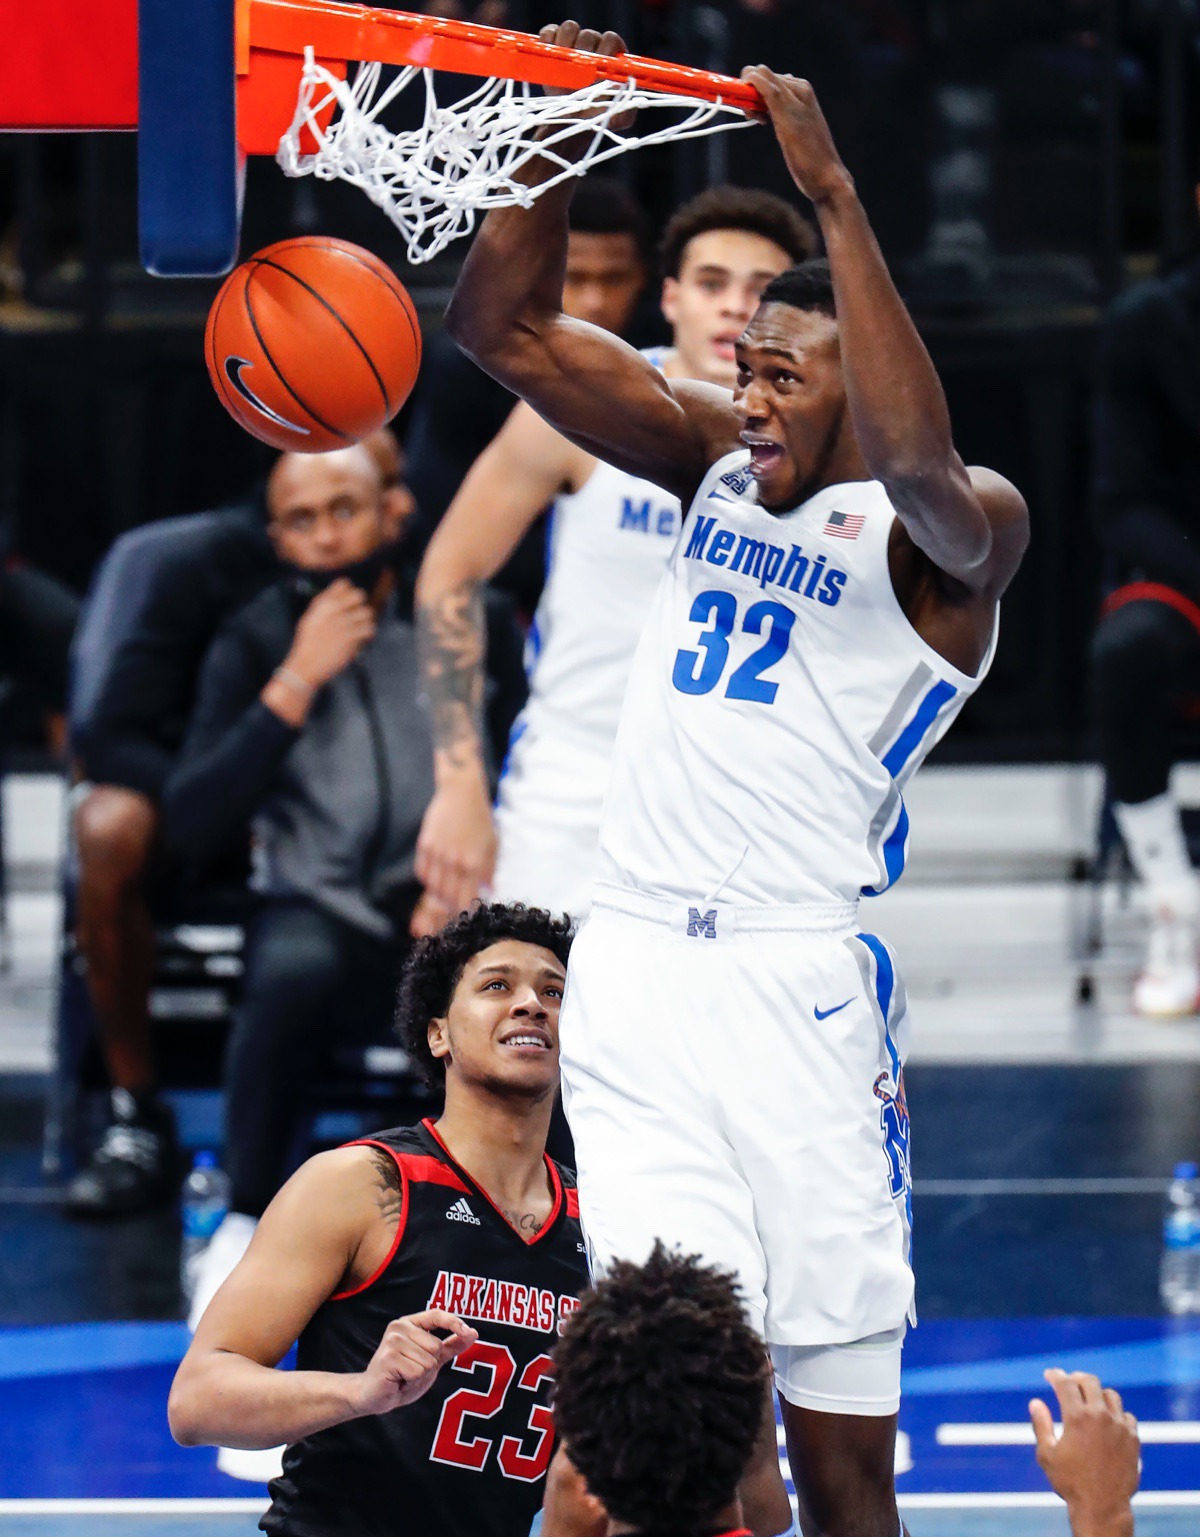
(1008, 518)
(710, 413)
(350, 1199)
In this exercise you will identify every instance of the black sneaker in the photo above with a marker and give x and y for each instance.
(136, 1166)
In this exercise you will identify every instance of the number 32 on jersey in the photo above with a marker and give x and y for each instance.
(699, 672)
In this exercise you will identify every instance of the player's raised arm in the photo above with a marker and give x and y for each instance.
(506, 313)
(524, 467)
(227, 1391)
(972, 524)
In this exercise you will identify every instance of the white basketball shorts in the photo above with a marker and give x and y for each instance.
(732, 1079)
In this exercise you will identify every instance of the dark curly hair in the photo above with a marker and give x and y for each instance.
(660, 1389)
(807, 286)
(435, 967)
(740, 208)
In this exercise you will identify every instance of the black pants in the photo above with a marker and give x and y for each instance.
(1145, 660)
(312, 983)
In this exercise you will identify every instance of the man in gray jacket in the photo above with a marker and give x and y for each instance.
(308, 729)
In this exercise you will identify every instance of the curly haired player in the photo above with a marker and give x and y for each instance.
(672, 1332)
(425, 1272)
(659, 1397)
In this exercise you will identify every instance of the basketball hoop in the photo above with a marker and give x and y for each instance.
(465, 158)
(208, 82)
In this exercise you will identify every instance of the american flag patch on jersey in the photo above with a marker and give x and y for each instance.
(844, 525)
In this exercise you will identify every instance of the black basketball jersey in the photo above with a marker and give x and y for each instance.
(471, 1455)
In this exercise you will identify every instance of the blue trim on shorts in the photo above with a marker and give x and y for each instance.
(885, 994)
(885, 989)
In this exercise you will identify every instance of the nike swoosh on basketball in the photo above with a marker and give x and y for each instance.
(837, 1009)
(233, 372)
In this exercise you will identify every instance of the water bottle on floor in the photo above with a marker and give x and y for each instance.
(205, 1202)
(1179, 1281)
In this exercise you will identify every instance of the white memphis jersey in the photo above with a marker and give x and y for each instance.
(606, 548)
(778, 703)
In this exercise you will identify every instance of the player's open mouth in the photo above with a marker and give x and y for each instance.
(526, 1039)
(764, 455)
(724, 346)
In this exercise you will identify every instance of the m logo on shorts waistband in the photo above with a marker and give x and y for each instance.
(702, 925)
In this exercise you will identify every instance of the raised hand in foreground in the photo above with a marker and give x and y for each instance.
(1094, 1464)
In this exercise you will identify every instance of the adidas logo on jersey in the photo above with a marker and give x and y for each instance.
(461, 1212)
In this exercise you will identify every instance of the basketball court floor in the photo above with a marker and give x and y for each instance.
(1043, 1129)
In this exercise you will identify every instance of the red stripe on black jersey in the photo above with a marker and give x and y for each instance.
(572, 1203)
(471, 1454)
(399, 1159)
(428, 1171)
(556, 1185)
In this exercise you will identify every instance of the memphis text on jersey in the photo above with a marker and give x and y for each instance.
(769, 564)
(501, 1302)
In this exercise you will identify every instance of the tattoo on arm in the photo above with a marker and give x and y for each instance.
(452, 637)
(389, 1196)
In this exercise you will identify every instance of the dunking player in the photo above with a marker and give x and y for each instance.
(732, 1042)
(454, 1243)
(609, 537)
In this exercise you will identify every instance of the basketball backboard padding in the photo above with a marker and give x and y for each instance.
(190, 170)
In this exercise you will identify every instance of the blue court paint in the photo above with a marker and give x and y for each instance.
(70, 1349)
(97, 1394)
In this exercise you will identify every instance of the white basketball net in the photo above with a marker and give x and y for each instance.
(464, 159)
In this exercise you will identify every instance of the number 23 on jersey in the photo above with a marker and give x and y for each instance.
(699, 672)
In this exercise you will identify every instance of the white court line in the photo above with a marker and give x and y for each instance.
(1130, 1186)
(1020, 1433)
(112, 1507)
(1158, 1499)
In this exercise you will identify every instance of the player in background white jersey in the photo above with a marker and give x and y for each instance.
(732, 1045)
(609, 537)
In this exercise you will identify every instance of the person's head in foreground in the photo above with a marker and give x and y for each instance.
(718, 252)
(478, 1005)
(659, 1395)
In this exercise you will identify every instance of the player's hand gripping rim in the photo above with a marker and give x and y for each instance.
(803, 134)
(569, 34)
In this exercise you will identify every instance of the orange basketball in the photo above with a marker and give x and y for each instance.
(312, 344)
